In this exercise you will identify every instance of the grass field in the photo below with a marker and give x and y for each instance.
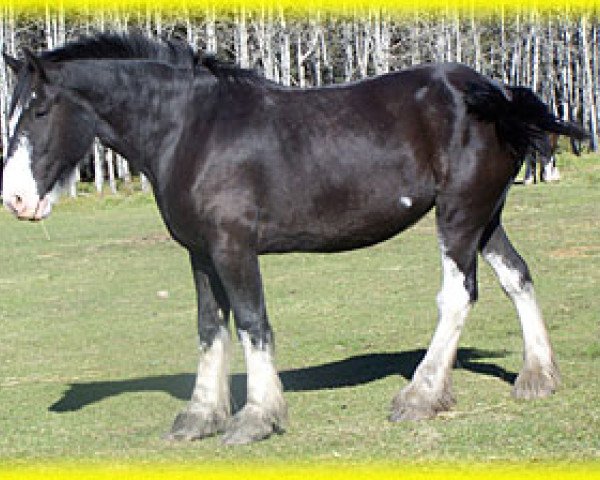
(94, 364)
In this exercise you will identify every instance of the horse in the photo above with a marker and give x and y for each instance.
(548, 169)
(241, 166)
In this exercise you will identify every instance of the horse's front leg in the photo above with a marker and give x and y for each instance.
(265, 411)
(209, 408)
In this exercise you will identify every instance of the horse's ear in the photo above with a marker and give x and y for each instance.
(14, 64)
(35, 64)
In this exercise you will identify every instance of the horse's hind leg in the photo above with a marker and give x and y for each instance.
(209, 408)
(550, 171)
(539, 377)
(530, 176)
(430, 392)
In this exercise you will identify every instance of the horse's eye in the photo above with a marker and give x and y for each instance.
(42, 112)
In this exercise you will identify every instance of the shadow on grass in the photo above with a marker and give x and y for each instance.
(349, 372)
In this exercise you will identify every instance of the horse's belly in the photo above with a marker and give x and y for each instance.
(336, 231)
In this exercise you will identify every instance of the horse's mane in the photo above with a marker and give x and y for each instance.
(227, 70)
(135, 46)
(138, 47)
(130, 46)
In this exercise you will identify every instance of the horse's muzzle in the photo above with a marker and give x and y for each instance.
(34, 209)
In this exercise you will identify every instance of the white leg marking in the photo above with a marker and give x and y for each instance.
(529, 177)
(551, 173)
(538, 351)
(14, 120)
(453, 304)
(264, 386)
(429, 392)
(265, 411)
(211, 391)
(17, 178)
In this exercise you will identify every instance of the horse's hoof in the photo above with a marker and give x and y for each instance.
(536, 382)
(194, 425)
(252, 424)
(405, 413)
(411, 404)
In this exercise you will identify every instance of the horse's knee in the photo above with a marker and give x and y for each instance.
(459, 285)
(513, 276)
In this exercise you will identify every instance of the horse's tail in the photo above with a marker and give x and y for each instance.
(522, 120)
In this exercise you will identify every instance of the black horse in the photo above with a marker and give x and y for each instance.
(241, 167)
(547, 162)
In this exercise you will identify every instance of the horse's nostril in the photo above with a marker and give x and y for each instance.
(18, 200)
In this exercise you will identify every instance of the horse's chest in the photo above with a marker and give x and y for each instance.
(182, 219)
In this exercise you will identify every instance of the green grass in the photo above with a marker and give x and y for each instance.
(94, 365)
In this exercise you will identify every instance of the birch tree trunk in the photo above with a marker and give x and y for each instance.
(265, 42)
(284, 49)
(4, 82)
(595, 38)
(362, 32)
(300, 57)
(503, 46)
(535, 55)
(457, 37)
(210, 29)
(476, 42)
(380, 42)
(98, 171)
(110, 166)
(347, 36)
(241, 44)
(415, 52)
(589, 108)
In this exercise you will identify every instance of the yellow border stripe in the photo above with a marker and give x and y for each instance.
(345, 6)
(563, 471)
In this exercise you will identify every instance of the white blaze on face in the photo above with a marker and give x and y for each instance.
(19, 188)
(14, 120)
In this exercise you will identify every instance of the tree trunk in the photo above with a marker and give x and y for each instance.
(98, 171)
(347, 37)
(211, 31)
(241, 44)
(589, 108)
(285, 55)
(110, 165)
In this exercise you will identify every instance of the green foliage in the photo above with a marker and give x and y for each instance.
(94, 365)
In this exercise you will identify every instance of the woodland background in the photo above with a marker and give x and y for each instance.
(555, 52)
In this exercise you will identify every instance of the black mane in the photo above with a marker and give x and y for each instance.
(227, 70)
(138, 47)
(131, 46)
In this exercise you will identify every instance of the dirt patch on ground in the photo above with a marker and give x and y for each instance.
(579, 251)
(142, 240)
(148, 239)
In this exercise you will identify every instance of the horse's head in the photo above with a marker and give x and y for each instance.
(51, 131)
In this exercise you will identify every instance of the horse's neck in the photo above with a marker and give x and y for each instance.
(138, 106)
